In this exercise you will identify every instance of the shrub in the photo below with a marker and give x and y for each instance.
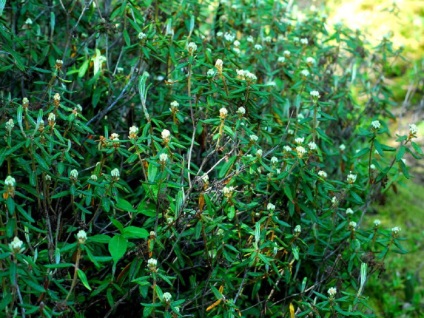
(191, 159)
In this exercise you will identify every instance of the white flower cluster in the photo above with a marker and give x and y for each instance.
(332, 291)
(310, 61)
(297, 229)
(349, 211)
(304, 41)
(16, 245)
(270, 207)
(133, 132)
(229, 37)
(191, 47)
(246, 75)
(351, 178)
(377, 223)
(315, 94)
(413, 129)
(376, 124)
(253, 138)
(114, 137)
(142, 36)
(258, 47)
(299, 140)
(223, 112)
(167, 297)
(274, 160)
(81, 236)
(322, 174)
(352, 225)
(228, 190)
(281, 60)
(115, 174)
(163, 157)
(312, 146)
(166, 134)
(9, 125)
(152, 263)
(241, 111)
(300, 151)
(286, 53)
(73, 174)
(305, 73)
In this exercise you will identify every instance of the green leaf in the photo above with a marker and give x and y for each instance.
(400, 153)
(226, 166)
(118, 247)
(135, 232)
(83, 279)
(124, 205)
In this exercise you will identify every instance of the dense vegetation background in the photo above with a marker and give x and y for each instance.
(207, 159)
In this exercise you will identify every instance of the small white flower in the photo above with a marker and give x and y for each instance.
(9, 125)
(297, 229)
(142, 36)
(287, 148)
(312, 146)
(174, 104)
(372, 166)
(300, 151)
(169, 220)
(48, 178)
(205, 178)
(304, 41)
(253, 138)
(236, 43)
(351, 178)
(349, 211)
(286, 53)
(322, 174)
(210, 73)
(152, 263)
(223, 112)
(268, 39)
(229, 37)
(191, 47)
(93, 177)
(334, 200)
(413, 129)
(305, 73)
(166, 134)
(115, 173)
(250, 39)
(281, 60)
(114, 136)
(376, 124)
(270, 207)
(167, 297)
(352, 225)
(258, 47)
(314, 94)
(16, 245)
(259, 153)
(119, 69)
(310, 60)
(56, 97)
(163, 157)
(377, 223)
(342, 147)
(219, 64)
(133, 131)
(81, 236)
(25, 101)
(396, 230)
(73, 174)
(220, 232)
(332, 291)
(227, 190)
(52, 117)
(299, 140)
(219, 34)
(152, 234)
(290, 132)
(237, 51)
(28, 21)
(274, 160)
(241, 110)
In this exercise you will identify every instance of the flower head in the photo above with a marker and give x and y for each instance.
(229, 37)
(241, 111)
(286, 53)
(314, 94)
(73, 175)
(304, 41)
(310, 61)
(223, 112)
(322, 174)
(253, 138)
(349, 211)
(413, 130)
(274, 160)
(395, 231)
(163, 157)
(312, 146)
(166, 135)
(376, 124)
(304, 73)
(114, 137)
(81, 236)
(299, 140)
(16, 245)
(297, 229)
(270, 207)
(133, 132)
(377, 223)
(210, 73)
(351, 178)
(352, 225)
(151, 264)
(167, 297)
(191, 47)
(115, 174)
(258, 47)
(342, 147)
(300, 151)
(219, 64)
(332, 291)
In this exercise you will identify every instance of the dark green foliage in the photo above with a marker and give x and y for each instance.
(212, 178)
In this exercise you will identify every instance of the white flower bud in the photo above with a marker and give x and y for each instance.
(81, 236)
